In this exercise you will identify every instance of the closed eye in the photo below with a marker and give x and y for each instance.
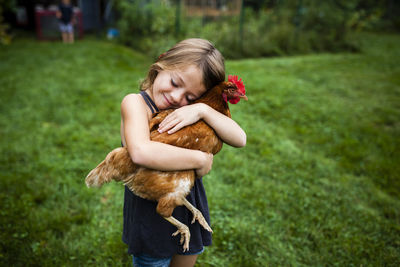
(189, 99)
(173, 83)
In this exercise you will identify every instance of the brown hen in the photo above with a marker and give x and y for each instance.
(170, 188)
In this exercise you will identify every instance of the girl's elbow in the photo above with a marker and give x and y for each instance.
(243, 140)
(138, 156)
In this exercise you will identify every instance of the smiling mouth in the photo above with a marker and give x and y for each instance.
(166, 99)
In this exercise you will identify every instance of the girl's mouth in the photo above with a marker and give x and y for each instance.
(166, 99)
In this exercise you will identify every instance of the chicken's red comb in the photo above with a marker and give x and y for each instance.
(238, 83)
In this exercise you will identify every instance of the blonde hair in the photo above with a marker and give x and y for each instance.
(198, 52)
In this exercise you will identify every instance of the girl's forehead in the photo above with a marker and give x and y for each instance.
(190, 77)
(187, 70)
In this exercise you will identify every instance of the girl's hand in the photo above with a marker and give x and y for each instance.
(182, 117)
(206, 166)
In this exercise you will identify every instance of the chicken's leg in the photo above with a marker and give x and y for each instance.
(183, 230)
(197, 215)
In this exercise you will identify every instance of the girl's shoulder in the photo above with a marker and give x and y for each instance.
(132, 100)
(133, 104)
(131, 97)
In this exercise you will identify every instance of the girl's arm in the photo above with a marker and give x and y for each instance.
(156, 155)
(226, 128)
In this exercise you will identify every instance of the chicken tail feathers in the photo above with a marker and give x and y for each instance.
(116, 166)
(97, 176)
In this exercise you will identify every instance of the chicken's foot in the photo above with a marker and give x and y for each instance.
(197, 215)
(183, 230)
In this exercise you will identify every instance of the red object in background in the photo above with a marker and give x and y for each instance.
(43, 15)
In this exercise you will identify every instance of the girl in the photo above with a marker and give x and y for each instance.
(178, 77)
(65, 14)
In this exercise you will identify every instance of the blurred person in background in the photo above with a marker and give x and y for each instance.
(65, 14)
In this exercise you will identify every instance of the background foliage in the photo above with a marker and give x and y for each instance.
(270, 27)
(316, 185)
(5, 5)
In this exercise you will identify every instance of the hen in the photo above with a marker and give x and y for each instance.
(171, 188)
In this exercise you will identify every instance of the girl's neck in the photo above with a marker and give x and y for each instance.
(150, 93)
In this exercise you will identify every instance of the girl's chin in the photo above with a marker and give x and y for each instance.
(162, 105)
(165, 104)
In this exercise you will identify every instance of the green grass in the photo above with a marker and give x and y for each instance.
(317, 184)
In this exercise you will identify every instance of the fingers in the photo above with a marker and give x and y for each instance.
(170, 121)
(167, 119)
(177, 127)
(167, 126)
(206, 166)
(179, 118)
(173, 123)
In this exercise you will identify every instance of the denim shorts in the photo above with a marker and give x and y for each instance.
(66, 27)
(148, 261)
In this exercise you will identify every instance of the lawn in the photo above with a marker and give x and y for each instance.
(316, 185)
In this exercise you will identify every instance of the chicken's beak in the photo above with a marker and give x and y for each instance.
(243, 97)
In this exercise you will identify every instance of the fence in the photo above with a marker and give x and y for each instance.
(47, 23)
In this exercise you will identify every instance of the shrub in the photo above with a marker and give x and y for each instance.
(5, 37)
(147, 26)
(291, 27)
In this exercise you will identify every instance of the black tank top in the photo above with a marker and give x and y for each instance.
(146, 232)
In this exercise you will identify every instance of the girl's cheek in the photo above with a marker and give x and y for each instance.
(184, 102)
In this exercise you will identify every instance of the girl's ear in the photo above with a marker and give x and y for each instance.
(154, 73)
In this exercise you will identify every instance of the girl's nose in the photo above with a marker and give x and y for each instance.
(177, 96)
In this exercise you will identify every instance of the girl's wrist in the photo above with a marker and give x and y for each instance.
(203, 109)
(206, 164)
(202, 159)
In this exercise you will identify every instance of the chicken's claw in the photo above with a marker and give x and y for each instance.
(185, 236)
(197, 215)
(183, 230)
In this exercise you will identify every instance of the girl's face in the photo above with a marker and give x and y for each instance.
(174, 89)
